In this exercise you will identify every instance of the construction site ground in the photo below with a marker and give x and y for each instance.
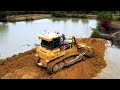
(24, 65)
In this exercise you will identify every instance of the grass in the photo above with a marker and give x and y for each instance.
(116, 17)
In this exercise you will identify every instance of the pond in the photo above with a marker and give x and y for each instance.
(18, 37)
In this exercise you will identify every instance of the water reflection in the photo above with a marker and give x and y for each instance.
(30, 21)
(14, 23)
(59, 19)
(3, 26)
(85, 21)
(3, 29)
(75, 20)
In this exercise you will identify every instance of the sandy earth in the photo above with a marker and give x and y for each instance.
(27, 17)
(24, 66)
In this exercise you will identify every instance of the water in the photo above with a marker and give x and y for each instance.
(18, 37)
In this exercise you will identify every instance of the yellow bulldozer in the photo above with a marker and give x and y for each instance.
(56, 51)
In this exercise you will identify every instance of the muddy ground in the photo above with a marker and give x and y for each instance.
(26, 17)
(24, 66)
(115, 23)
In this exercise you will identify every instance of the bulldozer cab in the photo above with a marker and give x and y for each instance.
(55, 43)
(50, 41)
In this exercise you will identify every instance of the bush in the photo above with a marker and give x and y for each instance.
(116, 18)
(105, 26)
(83, 15)
(104, 15)
(104, 19)
(58, 14)
(96, 33)
(3, 16)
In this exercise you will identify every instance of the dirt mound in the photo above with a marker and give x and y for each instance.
(88, 68)
(23, 73)
(25, 66)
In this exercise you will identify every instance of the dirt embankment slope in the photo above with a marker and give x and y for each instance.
(26, 17)
(25, 67)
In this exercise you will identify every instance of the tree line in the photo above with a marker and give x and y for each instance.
(4, 14)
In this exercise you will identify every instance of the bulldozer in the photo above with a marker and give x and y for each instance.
(56, 51)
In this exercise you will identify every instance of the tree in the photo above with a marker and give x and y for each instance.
(3, 15)
(104, 18)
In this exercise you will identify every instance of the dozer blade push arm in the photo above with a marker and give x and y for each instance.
(78, 58)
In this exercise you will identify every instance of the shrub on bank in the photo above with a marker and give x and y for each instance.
(58, 14)
(96, 33)
(3, 15)
(104, 15)
(83, 15)
(104, 23)
(116, 18)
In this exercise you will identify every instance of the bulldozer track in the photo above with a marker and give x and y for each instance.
(53, 62)
(64, 61)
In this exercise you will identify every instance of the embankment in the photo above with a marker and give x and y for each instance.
(26, 17)
(24, 66)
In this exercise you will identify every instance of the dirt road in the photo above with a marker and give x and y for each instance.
(112, 58)
(24, 66)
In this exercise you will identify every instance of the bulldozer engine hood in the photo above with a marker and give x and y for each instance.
(47, 54)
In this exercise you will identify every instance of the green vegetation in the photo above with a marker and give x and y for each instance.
(104, 15)
(3, 15)
(85, 21)
(69, 14)
(58, 14)
(83, 15)
(96, 33)
(116, 17)
(77, 14)
(104, 26)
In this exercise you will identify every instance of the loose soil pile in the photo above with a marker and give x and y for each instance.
(24, 66)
